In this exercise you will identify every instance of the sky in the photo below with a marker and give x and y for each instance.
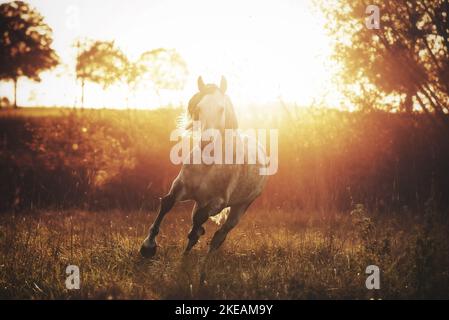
(265, 49)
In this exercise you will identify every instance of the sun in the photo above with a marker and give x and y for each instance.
(268, 51)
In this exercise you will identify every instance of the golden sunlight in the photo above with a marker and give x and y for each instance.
(266, 49)
(251, 150)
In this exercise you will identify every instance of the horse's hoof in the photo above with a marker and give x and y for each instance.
(203, 281)
(186, 252)
(147, 252)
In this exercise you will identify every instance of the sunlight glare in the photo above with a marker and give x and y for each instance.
(266, 49)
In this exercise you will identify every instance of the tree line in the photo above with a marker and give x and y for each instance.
(26, 51)
(403, 65)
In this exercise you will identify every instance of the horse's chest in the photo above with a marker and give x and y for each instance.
(209, 181)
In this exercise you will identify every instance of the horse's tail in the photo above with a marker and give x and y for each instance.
(221, 217)
(184, 122)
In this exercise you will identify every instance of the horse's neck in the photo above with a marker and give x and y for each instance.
(230, 117)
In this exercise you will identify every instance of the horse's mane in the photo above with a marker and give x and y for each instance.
(189, 115)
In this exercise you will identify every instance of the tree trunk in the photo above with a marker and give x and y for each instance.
(127, 96)
(15, 92)
(408, 103)
(82, 93)
(407, 106)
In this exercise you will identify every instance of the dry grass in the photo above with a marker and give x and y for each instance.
(271, 254)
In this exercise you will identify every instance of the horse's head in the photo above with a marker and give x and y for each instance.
(212, 107)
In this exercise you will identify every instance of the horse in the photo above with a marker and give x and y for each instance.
(213, 187)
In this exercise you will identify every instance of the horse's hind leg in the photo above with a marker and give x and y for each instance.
(148, 248)
(199, 217)
(234, 216)
(220, 235)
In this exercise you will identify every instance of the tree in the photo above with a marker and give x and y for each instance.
(133, 74)
(100, 62)
(406, 58)
(166, 68)
(25, 44)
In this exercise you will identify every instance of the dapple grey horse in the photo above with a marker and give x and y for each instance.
(213, 187)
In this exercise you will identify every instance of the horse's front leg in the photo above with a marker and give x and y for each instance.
(148, 248)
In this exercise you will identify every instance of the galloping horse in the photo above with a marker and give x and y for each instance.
(213, 187)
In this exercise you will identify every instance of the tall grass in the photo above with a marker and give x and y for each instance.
(270, 255)
(101, 159)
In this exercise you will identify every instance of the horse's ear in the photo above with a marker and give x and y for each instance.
(223, 84)
(201, 85)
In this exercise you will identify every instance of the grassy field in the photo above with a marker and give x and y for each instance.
(353, 190)
(271, 254)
